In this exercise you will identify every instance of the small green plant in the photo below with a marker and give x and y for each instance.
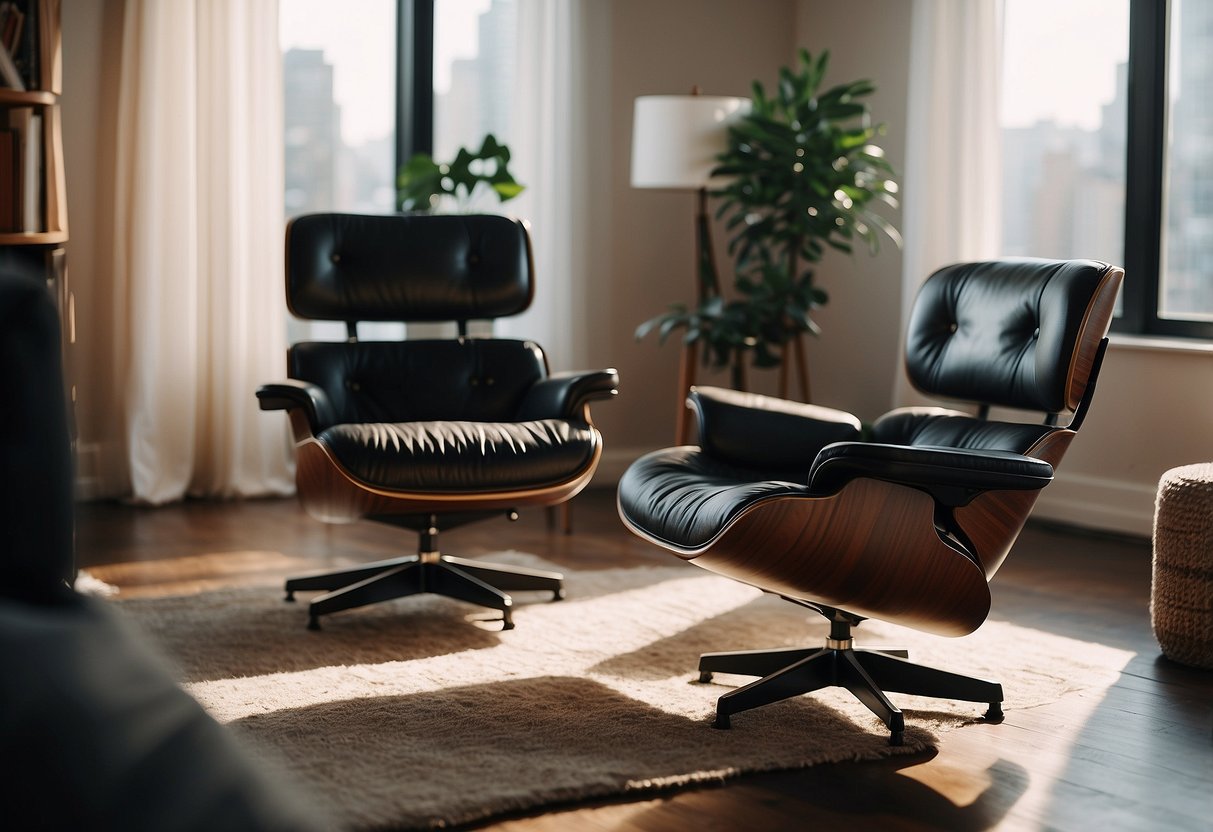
(422, 182)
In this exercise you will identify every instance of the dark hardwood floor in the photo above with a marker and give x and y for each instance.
(1139, 757)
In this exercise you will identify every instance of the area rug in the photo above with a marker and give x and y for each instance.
(422, 713)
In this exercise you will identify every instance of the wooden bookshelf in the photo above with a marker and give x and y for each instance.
(33, 205)
(33, 191)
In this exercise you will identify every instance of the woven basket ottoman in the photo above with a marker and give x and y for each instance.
(1181, 594)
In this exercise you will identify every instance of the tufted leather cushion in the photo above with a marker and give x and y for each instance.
(684, 498)
(764, 432)
(461, 457)
(348, 267)
(1002, 332)
(409, 381)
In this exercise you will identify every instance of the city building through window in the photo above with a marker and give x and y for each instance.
(1107, 126)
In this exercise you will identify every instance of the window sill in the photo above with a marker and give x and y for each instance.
(1159, 343)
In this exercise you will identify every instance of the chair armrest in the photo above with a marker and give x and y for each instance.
(953, 476)
(765, 432)
(291, 394)
(562, 395)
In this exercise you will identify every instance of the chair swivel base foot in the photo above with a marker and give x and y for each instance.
(787, 673)
(483, 584)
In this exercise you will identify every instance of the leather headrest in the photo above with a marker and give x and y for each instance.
(1019, 333)
(349, 267)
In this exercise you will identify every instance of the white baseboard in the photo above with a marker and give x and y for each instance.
(1099, 503)
(88, 468)
(93, 459)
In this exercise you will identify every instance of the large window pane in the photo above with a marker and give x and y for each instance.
(474, 65)
(1186, 288)
(339, 119)
(1064, 108)
(339, 77)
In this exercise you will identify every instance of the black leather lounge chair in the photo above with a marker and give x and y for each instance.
(426, 434)
(906, 523)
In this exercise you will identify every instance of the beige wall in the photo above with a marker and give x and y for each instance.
(91, 34)
(856, 359)
(1155, 406)
(664, 48)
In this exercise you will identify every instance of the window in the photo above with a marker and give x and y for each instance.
(367, 89)
(1108, 148)
(1186, 279)
(1064, 106)
(339, 79)
(474, 67)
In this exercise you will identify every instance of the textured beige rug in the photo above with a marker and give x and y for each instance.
(422, 713)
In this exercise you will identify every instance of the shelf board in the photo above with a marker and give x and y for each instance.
(41, 98)
(32, 238)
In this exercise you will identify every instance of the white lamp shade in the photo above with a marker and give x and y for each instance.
(676, 138)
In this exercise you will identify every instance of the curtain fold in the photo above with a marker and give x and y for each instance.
(198, 253)
(951, 201)
(548, 146)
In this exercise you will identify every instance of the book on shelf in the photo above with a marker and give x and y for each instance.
(10, 76)
(49, 47)
(21, 37)
(30, 48)
(8, 180)
(11, 21)
(26, 126)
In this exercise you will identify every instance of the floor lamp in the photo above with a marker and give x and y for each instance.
(675, 142)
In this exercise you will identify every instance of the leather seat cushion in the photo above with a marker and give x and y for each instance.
(684, 498)
(463, 457)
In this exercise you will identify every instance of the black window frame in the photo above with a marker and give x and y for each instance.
(1145, 177)
(414, 79)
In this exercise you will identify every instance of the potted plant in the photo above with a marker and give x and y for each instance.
(802, 174)
(422, 183)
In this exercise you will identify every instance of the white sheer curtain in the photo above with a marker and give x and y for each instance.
(197, 255)
(548, 153)
(951, 204)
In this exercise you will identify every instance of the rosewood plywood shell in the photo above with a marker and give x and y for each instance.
(1094, 327)
(871, 549)
(994, 520)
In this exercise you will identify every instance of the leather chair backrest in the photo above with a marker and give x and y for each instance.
(348, 267)
(1020, 333)
(471, 379)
